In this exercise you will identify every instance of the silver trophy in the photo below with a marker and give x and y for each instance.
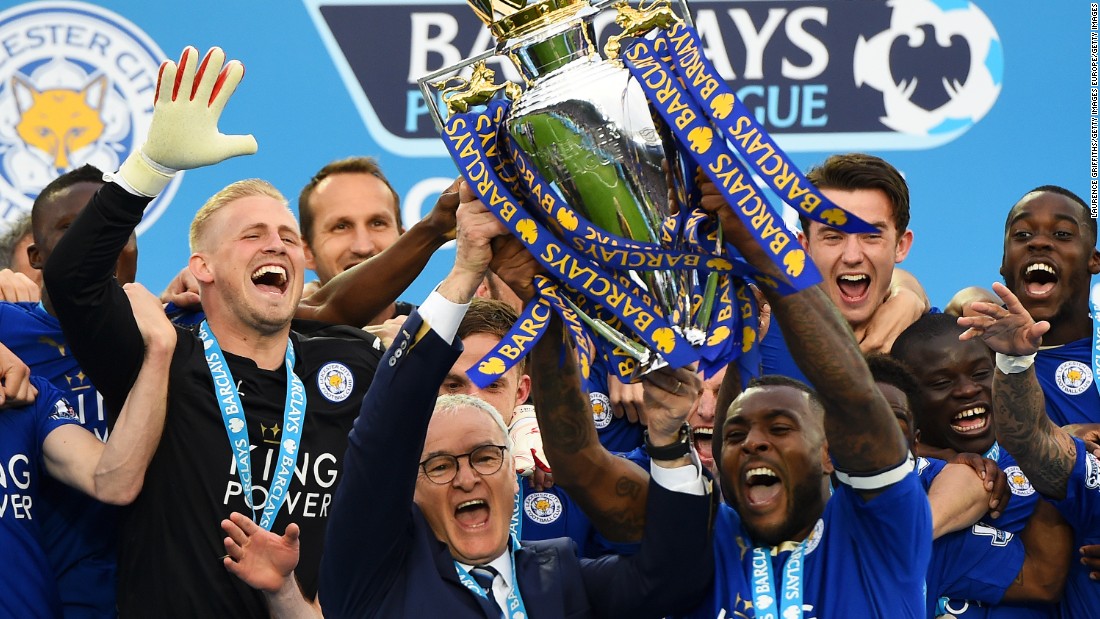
(586, 126)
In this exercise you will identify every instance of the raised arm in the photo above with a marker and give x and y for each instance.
(1048, 547)
(862, 432)
(115, 472)
(1045, 452)
(610, 490)
(364, 542)
(183, 135)
(357, 295)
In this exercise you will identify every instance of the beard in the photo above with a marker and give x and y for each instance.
(804, 506)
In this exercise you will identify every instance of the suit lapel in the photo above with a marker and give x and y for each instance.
(539, 582)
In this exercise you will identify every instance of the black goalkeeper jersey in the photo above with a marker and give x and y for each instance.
(170, 540)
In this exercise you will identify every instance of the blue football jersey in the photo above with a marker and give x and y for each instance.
(78, 532)
(28, 588)
(617, 434)
(1081, 509)
(982, 557)
(863, 558)
(1065, 373)
(971, 570)
(551, 513)
(1020, 505)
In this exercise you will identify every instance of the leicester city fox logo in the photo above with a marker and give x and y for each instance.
(601, 409)
(335, 382)
(1073, 377)
(76, 87)
(542, 507)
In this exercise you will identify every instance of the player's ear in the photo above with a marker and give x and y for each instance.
(905, 243)
(200, 268)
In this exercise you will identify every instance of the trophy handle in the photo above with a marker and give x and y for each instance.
(440, 93)
(460, 94)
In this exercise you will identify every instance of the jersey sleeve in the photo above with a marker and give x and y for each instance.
(52, 410)
(1081, 505)
(928, 469)
(91, 306)
(894, 532)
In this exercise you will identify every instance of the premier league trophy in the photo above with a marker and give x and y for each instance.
(591, 162)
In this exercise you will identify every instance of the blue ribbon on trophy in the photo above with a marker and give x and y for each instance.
(579, 170)
(644, 319)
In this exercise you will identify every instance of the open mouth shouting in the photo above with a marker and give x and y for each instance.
(702, 436)
(270, 278)
(762, 488)
(1039, 279)
(853, 286)
(472, 514)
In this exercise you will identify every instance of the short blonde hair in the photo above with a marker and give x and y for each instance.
(234, 191)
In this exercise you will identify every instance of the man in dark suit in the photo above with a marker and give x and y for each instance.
(454, 472)
(421, 522)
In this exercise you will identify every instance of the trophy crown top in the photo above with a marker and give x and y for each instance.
(513, 18)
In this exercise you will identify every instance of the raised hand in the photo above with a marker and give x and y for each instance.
(627, 399)
(184, 131)
(669, 395)
(262, 559)
(149, 313)
(183, 291)
(1009, 330)
(443, 214)
(515, 266)
(993, 478)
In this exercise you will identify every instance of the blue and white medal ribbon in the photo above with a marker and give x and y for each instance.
(236, 427)
(764, 591)
(516, 609)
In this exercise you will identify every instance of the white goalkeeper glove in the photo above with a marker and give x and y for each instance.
(184, 131)
(526, 441)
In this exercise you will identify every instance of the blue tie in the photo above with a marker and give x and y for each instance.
(485, 575)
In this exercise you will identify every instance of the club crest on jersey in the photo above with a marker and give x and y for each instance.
(1073, 377)
(62, 410)
(335, 382)
(76, 87)
(814, 539)
(1092, 472)
(601, 409)
(542, 507)
(1018, 482)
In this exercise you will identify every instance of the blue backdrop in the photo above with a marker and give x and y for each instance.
(1000, 105)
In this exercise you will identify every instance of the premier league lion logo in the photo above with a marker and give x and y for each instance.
(938, 66)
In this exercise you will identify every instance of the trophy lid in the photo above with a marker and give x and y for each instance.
(512, 18)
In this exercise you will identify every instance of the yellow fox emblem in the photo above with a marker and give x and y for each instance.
(59, 121)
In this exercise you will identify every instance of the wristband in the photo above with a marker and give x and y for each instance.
(1008, 364)
(879, 479)
(679, 449)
